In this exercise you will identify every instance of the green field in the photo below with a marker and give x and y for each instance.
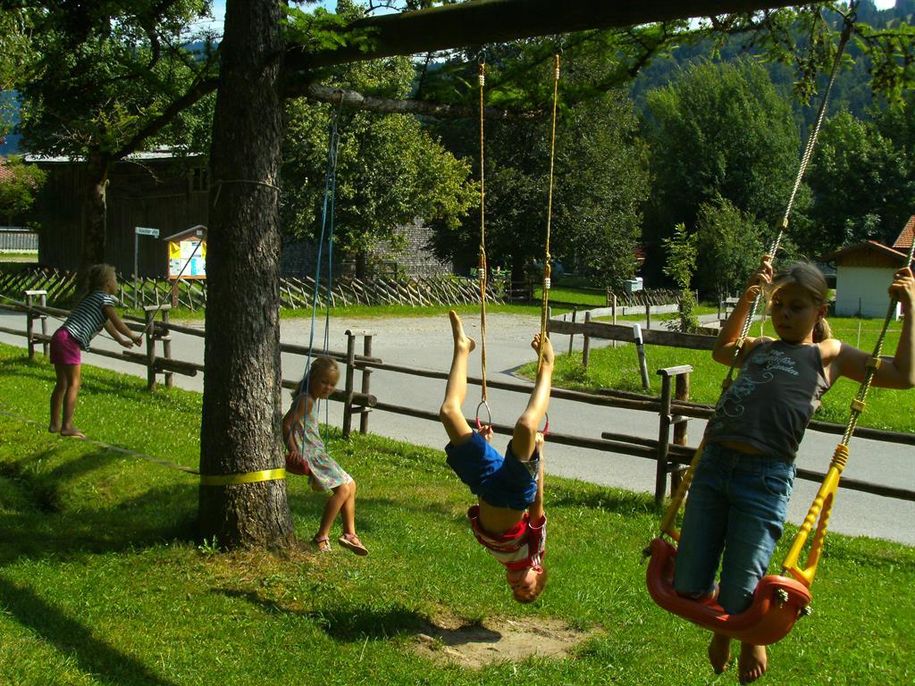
(103, 582)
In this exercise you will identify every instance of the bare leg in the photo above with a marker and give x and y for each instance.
(451, 414)
(332, 508)
(752, 663)
(73, 379)
(348, 510)
(719, 652)
(57, 397)
(528, 424)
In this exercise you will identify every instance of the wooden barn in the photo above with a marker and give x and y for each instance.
(157, 190)
(865, 270)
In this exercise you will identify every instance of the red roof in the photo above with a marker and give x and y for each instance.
(865, 247)
(905, 237)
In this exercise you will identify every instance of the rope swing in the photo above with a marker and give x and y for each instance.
(779, 600)
(547, 268)
(482, 266)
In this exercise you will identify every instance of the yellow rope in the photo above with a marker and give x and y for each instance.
(547, 269)
(482, 266)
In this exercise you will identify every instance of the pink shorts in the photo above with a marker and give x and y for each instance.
(64, 348)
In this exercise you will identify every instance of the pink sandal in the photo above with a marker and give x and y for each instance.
(352, 542)
(321, 544)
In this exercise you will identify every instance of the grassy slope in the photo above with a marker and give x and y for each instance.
(102, 583)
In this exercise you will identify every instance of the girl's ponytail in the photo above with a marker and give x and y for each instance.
(821, 330)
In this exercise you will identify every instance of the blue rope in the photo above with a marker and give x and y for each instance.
(327, 230)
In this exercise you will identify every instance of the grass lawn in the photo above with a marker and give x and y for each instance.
(618, 368)
(102, 581)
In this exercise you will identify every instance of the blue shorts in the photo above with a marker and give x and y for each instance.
(501, 482)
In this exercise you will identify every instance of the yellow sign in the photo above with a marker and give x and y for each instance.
(187, 259)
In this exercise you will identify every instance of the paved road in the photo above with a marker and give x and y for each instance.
(426, 343)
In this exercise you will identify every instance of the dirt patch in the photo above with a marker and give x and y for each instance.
(498, 640)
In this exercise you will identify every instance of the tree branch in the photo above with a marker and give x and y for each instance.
(370, 103)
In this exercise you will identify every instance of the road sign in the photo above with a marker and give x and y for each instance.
(146, 231)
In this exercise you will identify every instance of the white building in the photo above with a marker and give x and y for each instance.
(864, 272)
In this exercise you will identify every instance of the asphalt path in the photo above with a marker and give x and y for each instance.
(425, 343)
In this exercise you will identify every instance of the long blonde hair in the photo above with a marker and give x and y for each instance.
(318, 365)
(812, 281)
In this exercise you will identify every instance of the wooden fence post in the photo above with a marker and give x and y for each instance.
(366, 384)
(586, 344)
(41, 316)
(647, 313)
(150, 313)
(680, 422)
(571, 335)
(348, 385)
(640, 351)
(29, 320)
(166, 339)
(660, 478)
(613, 314)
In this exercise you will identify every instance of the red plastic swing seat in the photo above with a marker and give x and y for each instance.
(777, 602)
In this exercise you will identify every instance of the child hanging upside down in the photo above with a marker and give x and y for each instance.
(508, 520)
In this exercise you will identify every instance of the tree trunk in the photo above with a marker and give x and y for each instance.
(240, 430)
(94, 212)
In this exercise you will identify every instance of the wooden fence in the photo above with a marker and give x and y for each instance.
(295, 293)
(672, 407)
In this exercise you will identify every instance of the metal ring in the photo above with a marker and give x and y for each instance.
(485, 404)
(546, 427)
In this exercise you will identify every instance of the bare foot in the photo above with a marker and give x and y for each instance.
(53, 429)
(752, 663)
(719, 652)
(72, 432)
(461, 341)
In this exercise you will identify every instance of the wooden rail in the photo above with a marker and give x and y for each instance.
(672, 406)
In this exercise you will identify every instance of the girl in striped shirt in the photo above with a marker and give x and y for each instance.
(93, 312)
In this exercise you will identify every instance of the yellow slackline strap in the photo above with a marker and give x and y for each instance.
(246, 478)
(482, 267)
(545, 300)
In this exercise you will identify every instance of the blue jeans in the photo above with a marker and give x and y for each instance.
(737, 504)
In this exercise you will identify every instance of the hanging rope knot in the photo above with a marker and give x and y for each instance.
(858, 405)
(874, 363)
(481, 74)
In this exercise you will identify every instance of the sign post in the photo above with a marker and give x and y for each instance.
(137, 232)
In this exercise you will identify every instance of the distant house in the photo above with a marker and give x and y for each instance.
(170, 192)
(158, 190)
(865, 270)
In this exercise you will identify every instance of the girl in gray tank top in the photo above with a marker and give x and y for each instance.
(739, 494)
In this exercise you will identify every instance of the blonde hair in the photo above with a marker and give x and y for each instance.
(811, 280)
(98, 276)
(535, 592)
(319, 365)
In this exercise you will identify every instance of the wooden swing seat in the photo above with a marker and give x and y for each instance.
(777, 602)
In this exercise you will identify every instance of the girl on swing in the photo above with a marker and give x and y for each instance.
(307, 455)
(739, 495)
(508, 519)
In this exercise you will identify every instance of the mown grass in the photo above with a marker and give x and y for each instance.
(103, 582)
(618, 368)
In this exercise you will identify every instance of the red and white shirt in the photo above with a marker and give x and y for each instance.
(522, 546)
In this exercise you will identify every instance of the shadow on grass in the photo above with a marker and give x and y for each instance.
(342, 623)
(131, 524)
(73, 639)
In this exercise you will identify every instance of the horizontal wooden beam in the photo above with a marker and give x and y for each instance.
(620, 332)
(467, 24)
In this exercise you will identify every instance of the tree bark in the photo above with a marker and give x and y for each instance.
(94, 212)
(240, 429)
